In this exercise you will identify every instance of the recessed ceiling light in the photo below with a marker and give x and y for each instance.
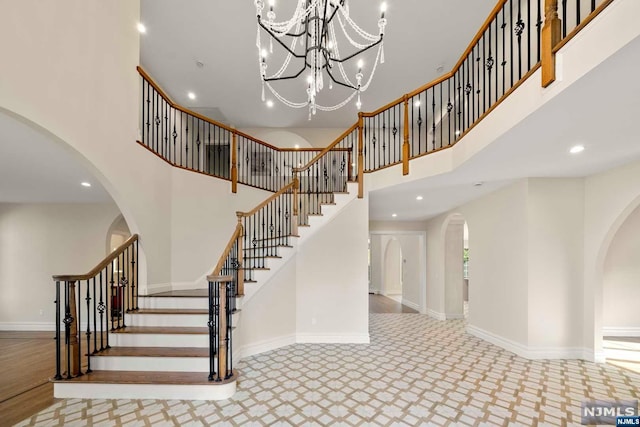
(296, 146)
(394, 215)
(141, 28)
(191, 95)
(85, 184)
(419, 198)
(576, 149)
(269, 103)
(417, 103)
(457, 132)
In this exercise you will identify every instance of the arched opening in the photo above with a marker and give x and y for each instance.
(117, 234)
(620, 295)
(393, 270)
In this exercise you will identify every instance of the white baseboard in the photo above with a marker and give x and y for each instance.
(621, 331)
(27, 326)
(333, 339)
(533, 353)
(436, 315)
(266, 345)
(410, 304)
(451, 316)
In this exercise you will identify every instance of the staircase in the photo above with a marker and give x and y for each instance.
(163, 351)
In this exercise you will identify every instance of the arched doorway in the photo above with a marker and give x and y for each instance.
(620, 295)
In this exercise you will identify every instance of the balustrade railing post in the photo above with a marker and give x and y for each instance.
(405, 143)
(234, 163)
(550, 38)
(222, 337)
(73, 354)
(296, 204)
(240, 287)
(360, 156)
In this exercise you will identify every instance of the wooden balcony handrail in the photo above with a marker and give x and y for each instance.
(178, 107)
(98, 268)
(267, 201)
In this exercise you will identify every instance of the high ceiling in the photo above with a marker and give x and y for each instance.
(421, 36)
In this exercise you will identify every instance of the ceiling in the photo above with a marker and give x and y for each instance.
(420, 37)
(36, 169)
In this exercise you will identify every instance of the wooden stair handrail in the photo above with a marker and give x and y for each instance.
(98, 268)
(235, 236)
(330, 147)
(267, 201)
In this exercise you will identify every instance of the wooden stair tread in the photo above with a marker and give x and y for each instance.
(161, 330)
(147, 377)
(265, 256)
(155, 352)
(170, 311)
(185, 293)
(266, 247)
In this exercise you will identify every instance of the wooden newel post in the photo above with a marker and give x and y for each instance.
(405, 144)
(360, 156)
(234, 163)
(550, 37)
(73, 331)
(222, 339)
(294, 220)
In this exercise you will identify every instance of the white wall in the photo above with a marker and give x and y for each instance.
(38, 241)
(453, 268)
(202, 221)
(555, 226)
(435, 295)
(621, 280)
(332, 286)
(498, 235)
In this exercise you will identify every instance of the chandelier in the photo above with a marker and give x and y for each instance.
(310, 42)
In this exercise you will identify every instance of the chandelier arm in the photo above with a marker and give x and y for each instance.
(287, 60)
(347, 85)
(280, 41)
(373, 71)
(358, 52)
(293, 76)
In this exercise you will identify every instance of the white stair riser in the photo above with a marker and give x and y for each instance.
(144, 391)
(182, 320)
(621, 354)
(159, 340)
(170, 364)
(168, 320)
(168, 302)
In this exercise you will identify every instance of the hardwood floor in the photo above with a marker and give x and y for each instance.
(28, 361)
(382, 304)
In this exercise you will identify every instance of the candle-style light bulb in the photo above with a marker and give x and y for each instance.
(383, 9)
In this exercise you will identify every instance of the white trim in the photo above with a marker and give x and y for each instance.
(617, 331)
(333, 339)
(451, 316)
(436, 315)
(144, 391)
(533, 353)
(28, 326)
(410, 304)
(154, 288)
(266, 345)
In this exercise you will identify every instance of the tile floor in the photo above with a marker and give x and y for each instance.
(416, 371)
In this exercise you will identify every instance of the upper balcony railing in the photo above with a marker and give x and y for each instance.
(191, 141)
